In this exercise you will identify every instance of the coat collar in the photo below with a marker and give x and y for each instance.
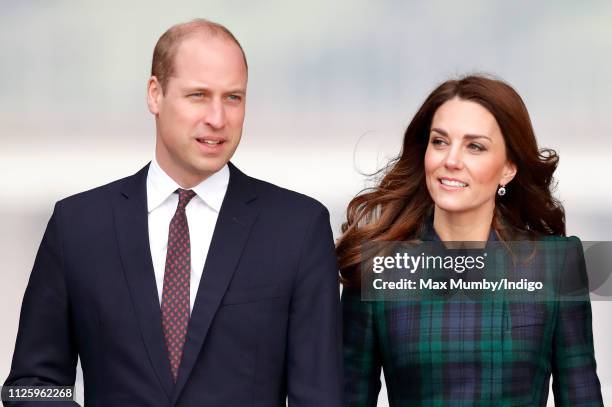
(429, 234)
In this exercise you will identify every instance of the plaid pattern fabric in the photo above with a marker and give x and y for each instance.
(492, 351)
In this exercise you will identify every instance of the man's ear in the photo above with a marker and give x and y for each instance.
(154, 95)
(508, 173)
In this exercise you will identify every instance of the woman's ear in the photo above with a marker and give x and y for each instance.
(508, 173)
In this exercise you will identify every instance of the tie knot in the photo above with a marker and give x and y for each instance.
(185, 196)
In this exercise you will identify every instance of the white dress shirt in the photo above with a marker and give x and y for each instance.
(202, 212)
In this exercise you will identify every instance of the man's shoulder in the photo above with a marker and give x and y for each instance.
(99, 195)
(275, 197)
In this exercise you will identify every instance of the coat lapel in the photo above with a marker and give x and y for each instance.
(231, 232)
(131, 223)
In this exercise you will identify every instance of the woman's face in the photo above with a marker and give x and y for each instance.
(465, 161)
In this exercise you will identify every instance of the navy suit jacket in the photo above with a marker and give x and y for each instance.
(265, 327)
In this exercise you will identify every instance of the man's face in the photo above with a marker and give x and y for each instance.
(199, 117)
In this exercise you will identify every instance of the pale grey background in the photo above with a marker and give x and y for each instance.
(332, 86)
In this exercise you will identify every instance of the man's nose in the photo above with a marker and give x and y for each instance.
(215, 115)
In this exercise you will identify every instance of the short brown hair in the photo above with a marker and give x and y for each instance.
(162, 66)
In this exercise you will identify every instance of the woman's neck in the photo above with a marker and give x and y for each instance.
(473, 226)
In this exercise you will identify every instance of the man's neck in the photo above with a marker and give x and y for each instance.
(185, 179)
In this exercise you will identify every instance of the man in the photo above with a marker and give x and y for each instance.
(188, 283)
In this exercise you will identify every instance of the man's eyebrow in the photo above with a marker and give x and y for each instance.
(196, 89)
(205, 89)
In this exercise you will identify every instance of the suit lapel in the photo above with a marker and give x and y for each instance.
(131, 223)
(231, 232)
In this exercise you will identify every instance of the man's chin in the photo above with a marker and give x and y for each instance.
(208, 168)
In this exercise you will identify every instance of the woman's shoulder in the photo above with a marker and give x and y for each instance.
(559, 242)
(572, 240)
(565, 249)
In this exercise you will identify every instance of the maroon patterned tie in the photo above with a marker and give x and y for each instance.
(175, 295)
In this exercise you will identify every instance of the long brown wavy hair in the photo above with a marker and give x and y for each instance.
(398, 207)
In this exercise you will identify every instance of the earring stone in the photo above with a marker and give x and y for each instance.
(501, 191)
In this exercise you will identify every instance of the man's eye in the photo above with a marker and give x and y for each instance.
(235, 98)
(196, 95)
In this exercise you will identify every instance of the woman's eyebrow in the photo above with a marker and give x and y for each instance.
(467, 136)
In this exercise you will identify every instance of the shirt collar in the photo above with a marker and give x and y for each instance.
(160, 187)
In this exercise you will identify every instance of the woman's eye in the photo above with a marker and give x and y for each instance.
(437, 141)
(476, 147)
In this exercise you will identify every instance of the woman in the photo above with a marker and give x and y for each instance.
(470, 170)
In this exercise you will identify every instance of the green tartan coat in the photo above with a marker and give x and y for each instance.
(496, 350)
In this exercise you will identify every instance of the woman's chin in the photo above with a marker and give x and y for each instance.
(453, 206)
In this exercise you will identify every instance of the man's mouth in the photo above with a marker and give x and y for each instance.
(210, 142)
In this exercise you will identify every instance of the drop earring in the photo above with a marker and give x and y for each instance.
(501, 191)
